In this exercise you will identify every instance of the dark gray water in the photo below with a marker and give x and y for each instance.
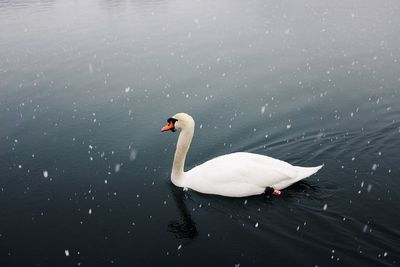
(84, 171)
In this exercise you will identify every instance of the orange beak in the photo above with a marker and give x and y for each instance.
(168, 127)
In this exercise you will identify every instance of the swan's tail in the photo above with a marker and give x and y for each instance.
(304, 172)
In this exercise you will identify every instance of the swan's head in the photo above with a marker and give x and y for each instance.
(178, 121)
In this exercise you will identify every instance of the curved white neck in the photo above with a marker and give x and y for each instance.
(182, 147)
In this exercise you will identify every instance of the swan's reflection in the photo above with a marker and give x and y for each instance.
(185, 227)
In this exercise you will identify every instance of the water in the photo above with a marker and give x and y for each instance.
(85, 87)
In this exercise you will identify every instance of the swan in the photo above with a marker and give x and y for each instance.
(237, 174)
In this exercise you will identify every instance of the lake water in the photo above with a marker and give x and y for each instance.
(85, 87)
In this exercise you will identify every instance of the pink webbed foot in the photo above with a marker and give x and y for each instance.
(276, 192)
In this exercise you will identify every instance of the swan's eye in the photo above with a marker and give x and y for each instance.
(172, 120)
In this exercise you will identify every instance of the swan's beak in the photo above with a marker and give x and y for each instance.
(168, 127)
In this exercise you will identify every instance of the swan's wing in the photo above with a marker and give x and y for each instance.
(241, 169)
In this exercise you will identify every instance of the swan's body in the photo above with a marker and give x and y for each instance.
(235, 175)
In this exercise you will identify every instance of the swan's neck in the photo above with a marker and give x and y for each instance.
(182, 147)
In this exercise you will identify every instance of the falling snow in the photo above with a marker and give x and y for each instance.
(257, 84)
(263, 109)
(132, 155)
(374, 166)
(117, 167)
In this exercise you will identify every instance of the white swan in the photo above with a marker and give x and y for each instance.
(234, 175)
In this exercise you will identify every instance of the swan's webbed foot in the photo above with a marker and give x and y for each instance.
(270, 190)
(276, 192)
